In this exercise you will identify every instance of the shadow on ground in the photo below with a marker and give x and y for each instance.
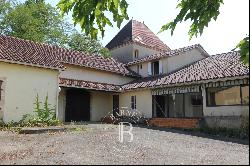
(198, 134)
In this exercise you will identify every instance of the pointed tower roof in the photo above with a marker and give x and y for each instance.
(138, 33)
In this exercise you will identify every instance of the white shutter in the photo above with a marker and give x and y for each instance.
(149, 68)
(160, 67)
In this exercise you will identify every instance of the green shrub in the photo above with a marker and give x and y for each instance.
(245, 126)
(43, 116)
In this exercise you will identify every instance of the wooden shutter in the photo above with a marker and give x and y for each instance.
(160, 67)
(149, 68)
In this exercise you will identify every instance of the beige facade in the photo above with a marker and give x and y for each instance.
(170, 64)
(143, 51)
(88, 74)
(2, 96)
(143, 101)
(101, 105)
(141, 69)
(174, 63)
(126, 53)
(123, 54)
(61, 105)
(21, 85)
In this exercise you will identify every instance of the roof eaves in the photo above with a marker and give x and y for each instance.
(32, 65)
(92, 67)
(168, 54)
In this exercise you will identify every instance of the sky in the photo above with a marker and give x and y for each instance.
(220, 36)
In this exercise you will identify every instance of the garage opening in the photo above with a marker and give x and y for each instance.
(77, 105)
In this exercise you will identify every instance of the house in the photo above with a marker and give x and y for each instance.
(144, 74)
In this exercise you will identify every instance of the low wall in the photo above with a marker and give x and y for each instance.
(233, 122)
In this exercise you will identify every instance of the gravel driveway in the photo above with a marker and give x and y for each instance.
(99, 144)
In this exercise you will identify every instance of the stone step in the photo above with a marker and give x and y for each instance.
(39, 130)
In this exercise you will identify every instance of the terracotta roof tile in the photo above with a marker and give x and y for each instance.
(139, 33)
(17, 50)
(168, 54)
(64, 82)
(226, 65)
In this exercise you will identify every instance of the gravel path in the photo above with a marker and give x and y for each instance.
(99, 144)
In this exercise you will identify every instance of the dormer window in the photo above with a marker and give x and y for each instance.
(136, 54)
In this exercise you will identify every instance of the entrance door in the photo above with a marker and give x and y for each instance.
(115, 105)
(77, 105)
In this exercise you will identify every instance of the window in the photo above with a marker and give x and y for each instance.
(133, 102)
(1, 82)
(225, 96)
(140, 66)
(196, 100)
(136, 54)
(155, 68)
(138, 69)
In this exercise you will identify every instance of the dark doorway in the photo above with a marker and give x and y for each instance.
(160, 106)
(77, 105)
(115, 105)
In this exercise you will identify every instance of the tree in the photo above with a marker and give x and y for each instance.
(201, 13)
(37, 21)
(33, 20)
(87, 13)
(84, 43)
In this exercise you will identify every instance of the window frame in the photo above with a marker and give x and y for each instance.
(136, 54)
(153, 68)
(133, 104)
(241, 101)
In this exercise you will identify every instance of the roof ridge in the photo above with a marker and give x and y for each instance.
(59, 48)
(132, 30)
(41, 53)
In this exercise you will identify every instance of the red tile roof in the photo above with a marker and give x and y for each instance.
(164, 54)
(94, 61)
(17, 50)
(138, 33)
(221, 66)
(64, 82)
(26, 52)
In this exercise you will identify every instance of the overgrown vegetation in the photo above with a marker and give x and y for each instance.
(245, 126)
(43, 116)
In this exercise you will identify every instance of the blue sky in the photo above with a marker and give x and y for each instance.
(221, 36)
